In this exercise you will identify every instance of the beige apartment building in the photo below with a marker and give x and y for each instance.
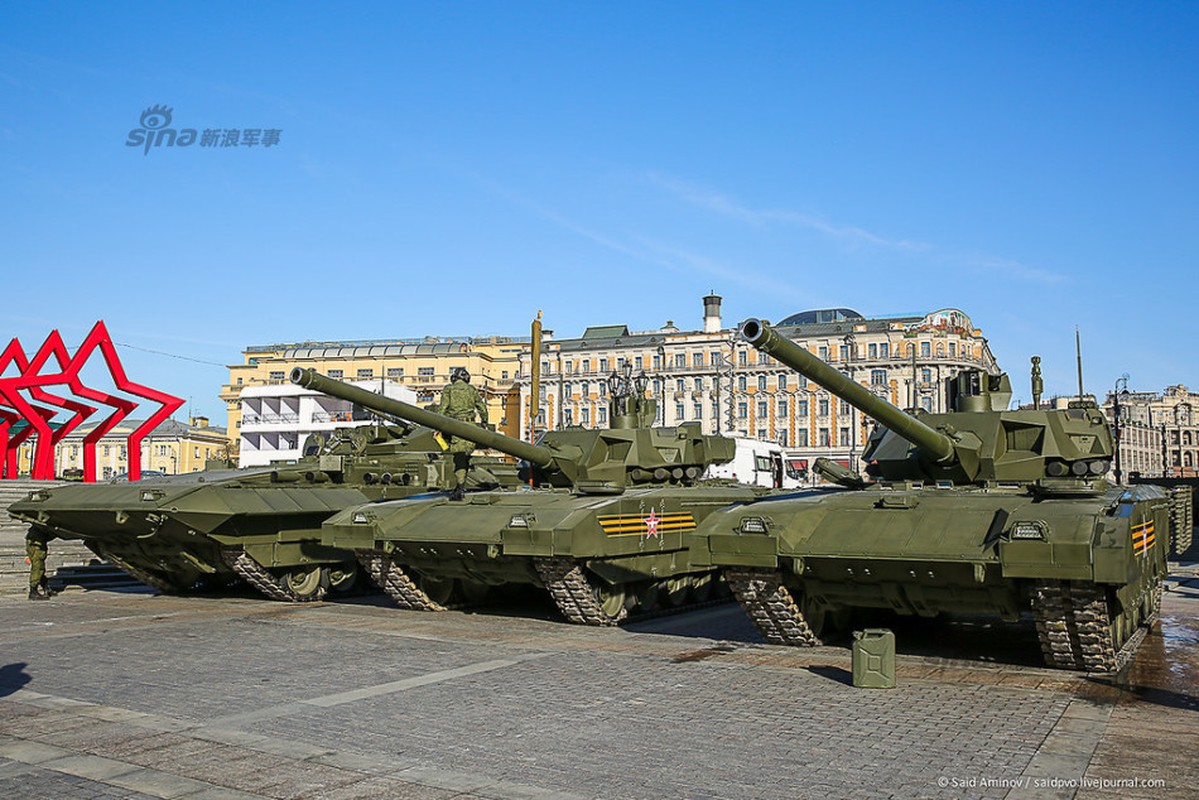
(708, 375)
(422, 365)
(1159, 431)
(173, 448)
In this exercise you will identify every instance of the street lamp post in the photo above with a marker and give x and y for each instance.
(850, 343)
(1118, 426)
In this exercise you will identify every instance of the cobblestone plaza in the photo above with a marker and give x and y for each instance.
(132, 694)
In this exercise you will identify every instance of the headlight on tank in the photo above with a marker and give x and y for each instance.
(359, 518)
(752, 525)
(518, 521)
(150, 495)
(1029, 529)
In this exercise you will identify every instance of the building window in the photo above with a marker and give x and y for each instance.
(425, 372)
(424, 397)
(699, 384)
(638, 363)
(397, 372)
(761, 383)
(699, 410)
(926, 375)
(239, 381)
(365, 374)
(504, 375)
(586, 389)
(680, 360)
(570, 416)
(742, 410)
(822, 353)
(276, 375)
(716, 359)
(678, 412)
(926, 349)
(953, 349)
(603, 365)
(585, 416)
(782, 383)
(762, 409)
(336, 373)
(801, 437)
(801, 408)
(878, 377)
(844, 438)
(822, 407)
(680, 386)
(197, 452)
(587, 365)
(782, 408)
(872, 351)
(842, 407)
(844, 352)
(823, 438)
(697, 359)
(601, 415)
(742, 358)
(884, 350)
(657, 362)
(741, 383)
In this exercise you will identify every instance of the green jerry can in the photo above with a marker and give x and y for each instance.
(874, 659)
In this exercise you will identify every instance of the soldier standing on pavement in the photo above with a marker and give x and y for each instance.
(35, 551)
(461, 401)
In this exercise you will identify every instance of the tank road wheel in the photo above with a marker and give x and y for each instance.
(701, 588)
(674, 591)
(613, 600)
(581, 599)
(304, 582)
(647, 597)
(438, 590)
(474, 593)
(343, 577)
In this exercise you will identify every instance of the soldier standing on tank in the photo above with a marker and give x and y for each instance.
(461, 401)
(35, 551)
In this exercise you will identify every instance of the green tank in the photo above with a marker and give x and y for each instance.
(606, 531)
(981, 510)
(260, 525)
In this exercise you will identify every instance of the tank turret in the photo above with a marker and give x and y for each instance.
(629, 452)
(978, 442)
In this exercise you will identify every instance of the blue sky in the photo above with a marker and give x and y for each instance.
(450, 168)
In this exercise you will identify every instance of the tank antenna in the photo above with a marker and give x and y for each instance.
(1078, 353)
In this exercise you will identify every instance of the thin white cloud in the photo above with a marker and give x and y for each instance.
(724, 205)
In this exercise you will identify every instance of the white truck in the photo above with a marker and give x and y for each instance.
(757, 463)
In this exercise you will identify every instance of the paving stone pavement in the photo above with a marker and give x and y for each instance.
(136, 695)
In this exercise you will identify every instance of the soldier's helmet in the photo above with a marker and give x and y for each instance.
(460, 374)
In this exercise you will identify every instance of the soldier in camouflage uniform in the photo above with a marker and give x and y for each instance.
(35, 551)
(461, 401)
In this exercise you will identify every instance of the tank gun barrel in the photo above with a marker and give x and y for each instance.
(534, 454)
(765, 338)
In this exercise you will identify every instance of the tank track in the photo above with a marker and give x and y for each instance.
(256, 575)
(138, 574)
(573, 593)
(771, 607)
(395, 582)
(1074, 626)
(1182, 520)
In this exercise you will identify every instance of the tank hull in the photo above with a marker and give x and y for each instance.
(921, 550)
(636, 544)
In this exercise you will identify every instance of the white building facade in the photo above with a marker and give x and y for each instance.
(709, 375)
(276, 419)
